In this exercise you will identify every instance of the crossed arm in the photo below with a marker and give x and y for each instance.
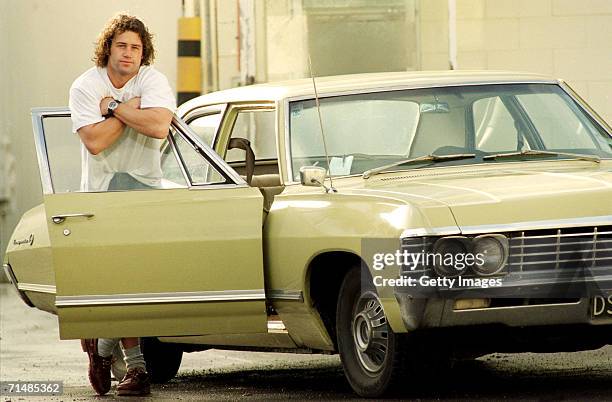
(153, 122)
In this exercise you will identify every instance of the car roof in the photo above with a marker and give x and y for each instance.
(276, 91)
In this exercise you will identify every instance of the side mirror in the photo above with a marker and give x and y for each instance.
(313, 176)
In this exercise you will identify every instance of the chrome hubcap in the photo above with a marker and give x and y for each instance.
(370, 333)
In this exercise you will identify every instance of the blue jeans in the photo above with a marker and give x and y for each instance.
(122, 181)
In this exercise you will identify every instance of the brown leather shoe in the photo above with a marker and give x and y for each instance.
(135, 382)
(99, 367)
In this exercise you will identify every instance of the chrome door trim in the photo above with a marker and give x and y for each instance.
(285, 294)
(200, 111)
(209, 186)
(160, 298)
(175, 152)
(196, 185)
(33, 287)
(288, 155)
(211, 155)
(41, 144)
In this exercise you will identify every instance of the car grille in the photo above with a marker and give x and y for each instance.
(417, 245)
(585, 247)
(536, 250)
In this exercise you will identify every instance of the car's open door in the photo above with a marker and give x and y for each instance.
(185, 259)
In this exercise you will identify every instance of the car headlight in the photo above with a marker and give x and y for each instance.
(450, 253)
(491, 253)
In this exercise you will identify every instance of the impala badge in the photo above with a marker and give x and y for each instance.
(29, 240)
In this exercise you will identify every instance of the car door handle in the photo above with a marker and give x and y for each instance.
(57, 219)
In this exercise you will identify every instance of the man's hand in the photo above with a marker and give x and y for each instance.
(134, 102)
(153, 122)
(99, 136)
(104, 105)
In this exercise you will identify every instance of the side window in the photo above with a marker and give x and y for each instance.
(257, 126)
(63, 154)
(199, 170)
(172, 174)
(565, 131)
(206, 126)
(494, 126)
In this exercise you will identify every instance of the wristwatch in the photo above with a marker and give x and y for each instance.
(112, 105)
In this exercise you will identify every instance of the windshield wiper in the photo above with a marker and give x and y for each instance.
(536, 152)
(431, 158)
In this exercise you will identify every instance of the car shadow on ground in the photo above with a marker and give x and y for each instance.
(471, 379)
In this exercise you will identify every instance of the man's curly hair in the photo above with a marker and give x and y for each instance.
(118, 25)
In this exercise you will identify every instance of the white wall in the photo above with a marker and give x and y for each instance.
(228, 43)
(6, 160)
(287, 45)
(566, 39)
(45, 45)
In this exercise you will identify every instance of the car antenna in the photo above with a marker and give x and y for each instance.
(314, 84)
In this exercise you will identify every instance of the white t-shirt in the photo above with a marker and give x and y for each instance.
(133, 153)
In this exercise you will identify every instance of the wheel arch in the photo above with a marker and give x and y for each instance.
(323, 284)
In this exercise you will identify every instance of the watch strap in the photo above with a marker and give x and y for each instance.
(110, 112)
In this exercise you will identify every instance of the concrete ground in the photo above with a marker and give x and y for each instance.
(30, 350)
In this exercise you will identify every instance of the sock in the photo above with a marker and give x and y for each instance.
(106, 346)
(134, 358)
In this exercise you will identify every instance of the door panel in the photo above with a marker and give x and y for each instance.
(182, 261)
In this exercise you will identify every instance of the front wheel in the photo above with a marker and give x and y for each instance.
(163, 359)
(372, 357)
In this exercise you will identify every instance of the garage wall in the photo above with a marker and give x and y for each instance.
(7, 160)
(564, 38)
(228, 43)
(287, 42)
(433, 15)
(45, 45)
(342, 37)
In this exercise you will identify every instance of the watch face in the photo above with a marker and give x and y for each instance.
(112, 105)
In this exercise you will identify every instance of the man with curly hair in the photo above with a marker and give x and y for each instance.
(121, 109)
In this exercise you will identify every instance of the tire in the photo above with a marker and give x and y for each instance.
(163, 359)
(373, 358)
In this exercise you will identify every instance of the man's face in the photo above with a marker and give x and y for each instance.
(125, 54)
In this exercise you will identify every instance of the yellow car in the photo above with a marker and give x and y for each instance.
(398, 219)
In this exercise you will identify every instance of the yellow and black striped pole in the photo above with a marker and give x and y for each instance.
(189, 80)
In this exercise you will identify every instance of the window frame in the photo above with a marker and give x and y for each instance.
(580, 103)
(203, 111)
(233, 179)
(224, 134)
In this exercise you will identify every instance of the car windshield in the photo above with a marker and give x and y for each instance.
(373, 130)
